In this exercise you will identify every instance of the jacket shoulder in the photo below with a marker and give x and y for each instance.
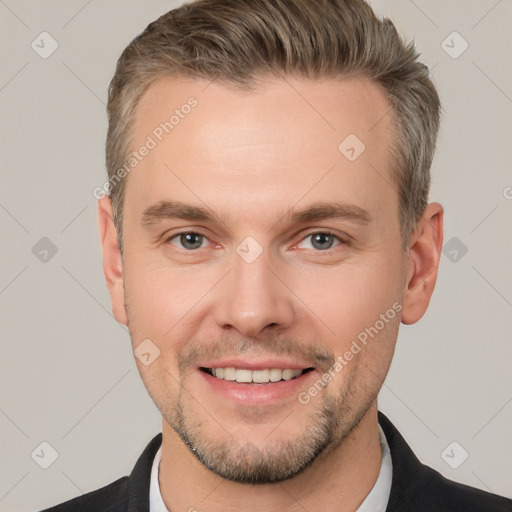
(111, 498)
(126, 493)
(416, 487)
(452, 496)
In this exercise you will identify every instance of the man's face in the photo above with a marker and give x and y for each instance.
(254, 286)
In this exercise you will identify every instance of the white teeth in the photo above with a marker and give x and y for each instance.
(287, 374)
(256, 376)
(275, 375)
(243, 376)
(229, 374)
(260, 376)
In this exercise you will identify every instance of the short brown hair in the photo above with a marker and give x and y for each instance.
(243, 42)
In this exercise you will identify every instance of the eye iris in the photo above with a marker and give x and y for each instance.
(322, 238)
(191, 240)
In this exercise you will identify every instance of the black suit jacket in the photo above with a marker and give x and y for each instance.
(415, 487)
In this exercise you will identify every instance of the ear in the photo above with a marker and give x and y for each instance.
(112, 261)
(422, 262)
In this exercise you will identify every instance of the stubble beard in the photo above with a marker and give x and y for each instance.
(240, 460)
(332, 419)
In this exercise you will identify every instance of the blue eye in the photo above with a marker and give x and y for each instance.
(189, 240)
(322, 241)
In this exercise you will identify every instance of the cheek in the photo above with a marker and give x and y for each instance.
(157, 288)
(164, 303)
(150, 298)
(353, 296)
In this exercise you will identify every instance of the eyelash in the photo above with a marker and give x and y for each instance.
(340, 239)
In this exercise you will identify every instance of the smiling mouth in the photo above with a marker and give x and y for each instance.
(244, 376)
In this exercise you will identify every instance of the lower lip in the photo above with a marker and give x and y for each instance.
(257, 394)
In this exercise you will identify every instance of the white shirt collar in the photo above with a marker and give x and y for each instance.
(156, 503)
(376, 501)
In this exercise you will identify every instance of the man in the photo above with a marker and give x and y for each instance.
(266, 231)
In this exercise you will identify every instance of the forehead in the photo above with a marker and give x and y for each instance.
(326, 107)
(290, 138)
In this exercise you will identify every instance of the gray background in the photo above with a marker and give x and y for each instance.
(68, 376)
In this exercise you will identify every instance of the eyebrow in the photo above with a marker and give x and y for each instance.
(315, 212)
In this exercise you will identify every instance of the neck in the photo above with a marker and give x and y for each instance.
(339, 480)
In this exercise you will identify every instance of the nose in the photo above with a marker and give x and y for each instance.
(254, 297)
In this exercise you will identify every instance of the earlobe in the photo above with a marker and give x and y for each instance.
(422, 263)
(112, 261)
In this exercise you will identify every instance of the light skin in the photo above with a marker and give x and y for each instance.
(251, 159)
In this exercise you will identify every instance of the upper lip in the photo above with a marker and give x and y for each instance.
(263, 364)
